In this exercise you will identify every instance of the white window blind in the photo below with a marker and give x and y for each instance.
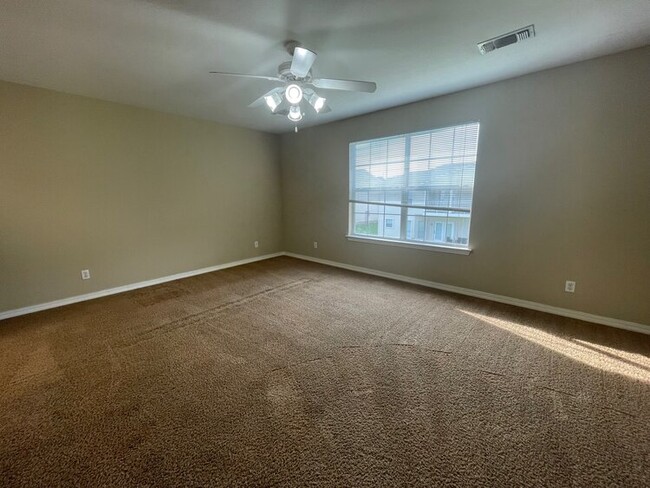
(415, 187)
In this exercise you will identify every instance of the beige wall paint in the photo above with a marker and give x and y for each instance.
(563, 191)
(562, 188)
(129, 193)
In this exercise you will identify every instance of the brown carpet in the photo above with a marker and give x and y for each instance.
(288, 373)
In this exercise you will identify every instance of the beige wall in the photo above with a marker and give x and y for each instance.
(562, 191)
(562, 188)
(129, 193)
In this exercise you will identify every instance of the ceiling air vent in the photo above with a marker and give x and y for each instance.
(506, 39)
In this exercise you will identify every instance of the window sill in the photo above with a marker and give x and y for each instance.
(424, 247)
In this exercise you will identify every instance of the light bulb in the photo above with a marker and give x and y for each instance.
(293, 94)
(295, 115)
(319, 103)
(273, 101)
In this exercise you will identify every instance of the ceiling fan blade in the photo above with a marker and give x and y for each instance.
(261, 100)
(347, 85)
(303, 59)
(241, 75)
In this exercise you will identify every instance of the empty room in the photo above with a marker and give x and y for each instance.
(324, 243)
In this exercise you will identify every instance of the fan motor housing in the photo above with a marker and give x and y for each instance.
(285, 74)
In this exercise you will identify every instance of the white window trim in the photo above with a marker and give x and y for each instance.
(466, 251)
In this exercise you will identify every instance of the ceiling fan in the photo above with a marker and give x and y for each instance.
(298, 84)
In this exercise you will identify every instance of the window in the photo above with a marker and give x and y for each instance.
(415, 188)
(437, 236)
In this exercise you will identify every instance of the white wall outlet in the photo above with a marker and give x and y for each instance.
(315, 245)
(256, 243)
(85, 274)
(570, 286)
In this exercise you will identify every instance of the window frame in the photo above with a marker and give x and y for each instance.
(404, 205)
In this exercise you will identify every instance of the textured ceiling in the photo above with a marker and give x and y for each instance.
(157, 53)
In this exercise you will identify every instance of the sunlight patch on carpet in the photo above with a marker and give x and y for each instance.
(632, 365)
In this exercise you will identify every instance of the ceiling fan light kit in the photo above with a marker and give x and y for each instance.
(295, 115)
(293, 94)
(297, 80)
(317, 102)
(273, 101)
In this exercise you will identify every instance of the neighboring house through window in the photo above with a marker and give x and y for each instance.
(415, 188)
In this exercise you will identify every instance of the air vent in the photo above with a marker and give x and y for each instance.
(506, 39)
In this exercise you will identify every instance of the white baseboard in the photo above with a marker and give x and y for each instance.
(564, 312)
(133, 286)
(574, 314)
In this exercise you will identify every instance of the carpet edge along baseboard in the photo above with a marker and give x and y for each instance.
(563, 312)
(132, 286)
(541, 307)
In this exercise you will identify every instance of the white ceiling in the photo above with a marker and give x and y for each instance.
(157, 53)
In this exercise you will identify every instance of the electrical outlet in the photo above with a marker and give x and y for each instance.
(256, 243)
(85, 274)
(570, 286)
(315, 245)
